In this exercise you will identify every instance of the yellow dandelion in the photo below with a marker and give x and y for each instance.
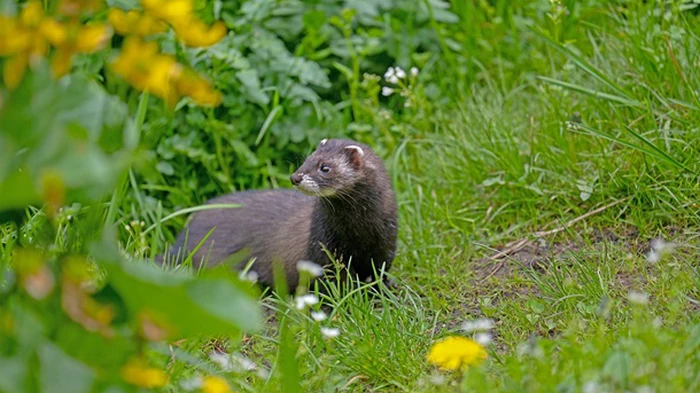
(214, 384)
(137, 373)
(454, 353)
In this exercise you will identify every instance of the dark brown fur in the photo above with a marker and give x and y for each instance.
(359, 220)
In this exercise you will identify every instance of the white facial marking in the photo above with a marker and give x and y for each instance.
(309, 187)
(323, 142)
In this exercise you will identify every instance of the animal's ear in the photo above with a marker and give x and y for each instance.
(355, 154)
(323, 142)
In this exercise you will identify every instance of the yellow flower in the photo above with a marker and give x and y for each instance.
(53, 31)
(28, 36)
(91, 38)
(32, 13)
(199, 89)
(53, 191)
(141, 65)
(137, 373)
(14, 37)
(171, 11)
(195, 33)
(134, 22)
(454, 353)
(14, 70)
(214, 384)
(144, 68)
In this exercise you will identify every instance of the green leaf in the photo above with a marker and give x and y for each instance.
(165, 168)
(61, 373)
(617, 367)
(23, 191)
(314, 20)
(189, 305)
(13, 374)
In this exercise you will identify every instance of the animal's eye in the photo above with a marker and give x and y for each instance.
(324, 168)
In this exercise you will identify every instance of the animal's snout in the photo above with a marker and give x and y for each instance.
(296, 178)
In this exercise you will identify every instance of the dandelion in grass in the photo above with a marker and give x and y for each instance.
(139, 374)
(455, 353)
(330, 332)
(318, 316)
(214, 384)
(310, 267)
(305, 300)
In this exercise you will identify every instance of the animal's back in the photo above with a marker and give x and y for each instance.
(270, 224)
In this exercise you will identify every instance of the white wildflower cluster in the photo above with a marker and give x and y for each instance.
(134, 224)
(314, 269)
(659, 248)
(308, 300)
(397, 76)
(481, 329)
(235, 362)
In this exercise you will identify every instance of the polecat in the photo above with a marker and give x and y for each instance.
(346, 204)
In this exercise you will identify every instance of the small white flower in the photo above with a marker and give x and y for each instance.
(640, 298)
(437, 379)
(414, 72)
(477, 325)
(305, 300)
(191, 384)
(400, 73)
(310, 267)
(387, 91)
(393, 79)
(653, 256)
(318, 316)
(483, 338)
(330, 332)
(222, 359)
(389, 73)
(659, 248)
(251, 276)
(244, 364)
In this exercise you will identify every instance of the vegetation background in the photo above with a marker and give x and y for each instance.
(544, 154)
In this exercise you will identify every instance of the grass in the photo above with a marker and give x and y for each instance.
(555, 132)
(556, 118)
